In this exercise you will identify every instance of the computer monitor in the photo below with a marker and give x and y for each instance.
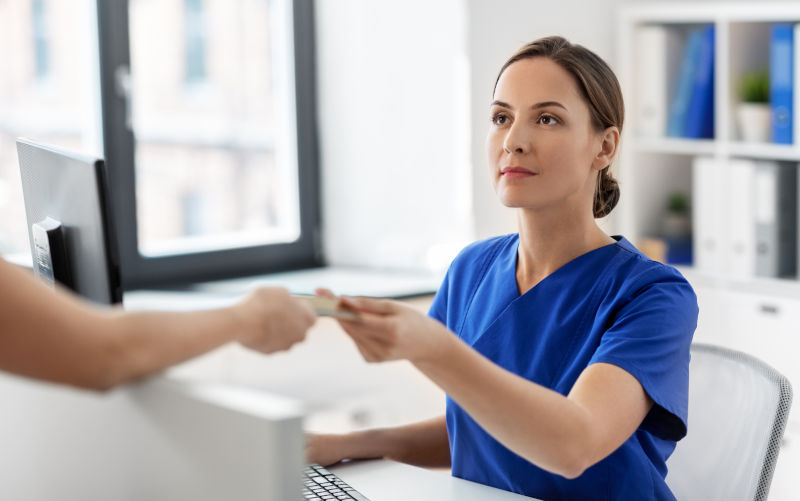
(69, 223)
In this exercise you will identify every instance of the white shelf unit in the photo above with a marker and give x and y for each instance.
(754, 314)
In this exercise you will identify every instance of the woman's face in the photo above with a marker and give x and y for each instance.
(541, 143)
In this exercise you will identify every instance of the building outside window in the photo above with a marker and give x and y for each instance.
(48, 92)
(41, 48)
(195, 40)
(193, 105)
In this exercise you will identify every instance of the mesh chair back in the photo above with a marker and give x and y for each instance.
(738, 407)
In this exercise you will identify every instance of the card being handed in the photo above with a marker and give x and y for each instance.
(327, 307)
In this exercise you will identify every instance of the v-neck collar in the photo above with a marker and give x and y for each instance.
(512, 264)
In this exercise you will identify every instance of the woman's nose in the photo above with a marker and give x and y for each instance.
(517, 140)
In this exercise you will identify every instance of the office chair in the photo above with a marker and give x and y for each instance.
(738, 407)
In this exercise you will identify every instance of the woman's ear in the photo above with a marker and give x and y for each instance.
(609, 141)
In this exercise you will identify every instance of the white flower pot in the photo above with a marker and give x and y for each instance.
(755, 122)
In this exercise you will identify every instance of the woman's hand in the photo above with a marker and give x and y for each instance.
(388, 330)
(327, 449)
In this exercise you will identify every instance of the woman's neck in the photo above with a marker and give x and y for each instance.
(548, 241)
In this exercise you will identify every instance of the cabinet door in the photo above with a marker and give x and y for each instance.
(767, 328)
(711, 325)
(707, 198)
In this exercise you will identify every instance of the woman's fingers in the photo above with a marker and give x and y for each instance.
(368, 321)
(377, 306)
(378, 331)
(324, 449)
(368, 352)
(369, 335)
(373, 345)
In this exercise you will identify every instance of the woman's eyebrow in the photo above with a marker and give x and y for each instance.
(543, 104)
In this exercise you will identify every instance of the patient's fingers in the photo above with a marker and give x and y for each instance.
(320, 291)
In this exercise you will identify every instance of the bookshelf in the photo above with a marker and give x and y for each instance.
(740, 307)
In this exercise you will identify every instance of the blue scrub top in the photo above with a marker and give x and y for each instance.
(611, 305)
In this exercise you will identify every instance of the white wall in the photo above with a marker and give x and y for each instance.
(496, 30)
(404, 93)
(393, 110)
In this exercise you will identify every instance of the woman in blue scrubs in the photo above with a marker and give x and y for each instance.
(564, 352)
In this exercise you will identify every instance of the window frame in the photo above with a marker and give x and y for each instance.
(139, 271)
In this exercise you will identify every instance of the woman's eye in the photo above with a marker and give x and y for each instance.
(547, 120)
(499, 119)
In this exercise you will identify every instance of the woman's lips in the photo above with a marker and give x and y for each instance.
(516, 172)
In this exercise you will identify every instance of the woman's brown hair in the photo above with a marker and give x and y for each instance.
(600, 90)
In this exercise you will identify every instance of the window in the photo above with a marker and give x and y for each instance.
(204, 111)
(209, 134)
(48, 92)
(195, 41)
(40, 40)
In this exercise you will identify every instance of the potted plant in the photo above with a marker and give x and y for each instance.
(677, 229)
(754, 112)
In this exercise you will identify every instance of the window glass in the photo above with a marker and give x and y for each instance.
(48, 93)
(195, 41)
(40, 39)
(213, 107)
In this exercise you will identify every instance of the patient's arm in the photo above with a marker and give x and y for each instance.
(420, 444)
(54, 335)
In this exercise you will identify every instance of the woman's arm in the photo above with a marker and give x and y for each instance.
(53, 335)
(420, 444)
(564, 435)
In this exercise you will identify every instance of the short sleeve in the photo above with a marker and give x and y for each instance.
(438, 309)
(650, 337)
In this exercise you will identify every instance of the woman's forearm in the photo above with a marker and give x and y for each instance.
(561, 434)
(537, 423)
(420, 444)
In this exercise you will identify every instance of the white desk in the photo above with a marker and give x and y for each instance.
(382, 480)
(352, 281)
(297, 374)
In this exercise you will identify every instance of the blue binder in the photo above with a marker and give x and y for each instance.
(781, 77)
(679, 107)
(700, 114)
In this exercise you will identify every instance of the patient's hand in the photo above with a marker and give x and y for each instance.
(271, 320)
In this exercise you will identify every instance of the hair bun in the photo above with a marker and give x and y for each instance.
(607, 194)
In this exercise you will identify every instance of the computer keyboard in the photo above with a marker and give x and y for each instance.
(320, 484)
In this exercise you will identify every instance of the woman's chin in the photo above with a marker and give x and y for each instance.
(517, 202)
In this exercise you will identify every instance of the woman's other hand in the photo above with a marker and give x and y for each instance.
(327, 449)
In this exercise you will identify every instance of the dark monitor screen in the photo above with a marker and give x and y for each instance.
(69, 228)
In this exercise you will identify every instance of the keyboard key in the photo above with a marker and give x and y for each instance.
(322, 485)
